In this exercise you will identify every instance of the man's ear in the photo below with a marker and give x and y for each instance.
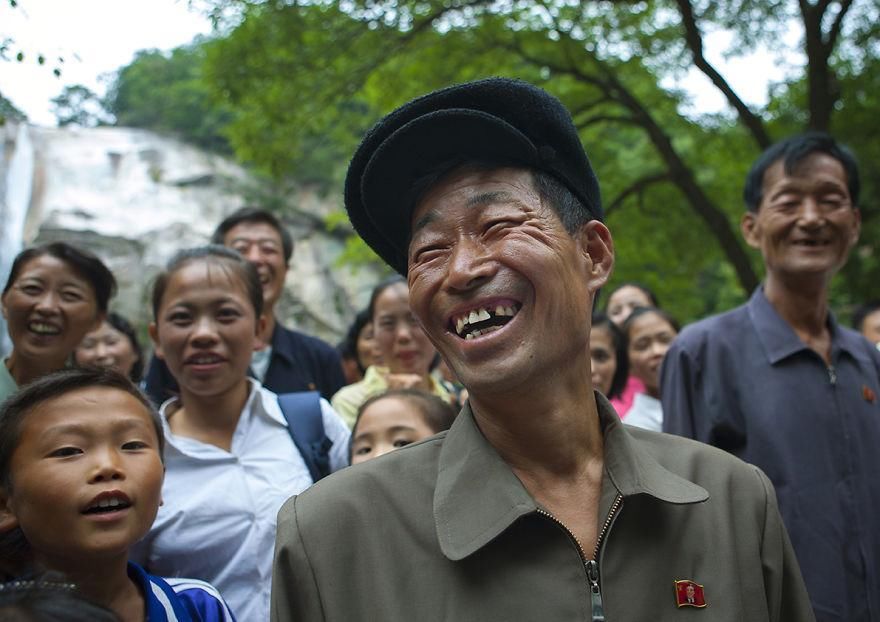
(747, 225)
(153, 330)
(8, 519)
(598, 248)
(857, 225)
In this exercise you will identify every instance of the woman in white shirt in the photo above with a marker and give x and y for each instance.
(231, 461)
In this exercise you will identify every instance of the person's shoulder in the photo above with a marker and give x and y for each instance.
(309, 342)
(396, 482)
(715, 329)
(714, 469)
(203, 598)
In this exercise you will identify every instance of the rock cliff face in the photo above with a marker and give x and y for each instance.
(134, 198)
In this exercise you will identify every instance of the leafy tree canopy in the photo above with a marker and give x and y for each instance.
(301, 82)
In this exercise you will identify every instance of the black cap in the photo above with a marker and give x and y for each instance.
(498, 119)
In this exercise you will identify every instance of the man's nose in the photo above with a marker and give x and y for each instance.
(469, 265)
(810, 212)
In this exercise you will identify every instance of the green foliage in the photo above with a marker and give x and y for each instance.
(166, 93)
(300, 83)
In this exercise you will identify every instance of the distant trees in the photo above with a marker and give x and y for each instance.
(167, 93)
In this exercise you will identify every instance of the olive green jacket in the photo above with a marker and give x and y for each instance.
(443, 530)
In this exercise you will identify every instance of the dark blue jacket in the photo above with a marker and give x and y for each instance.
(745, 382)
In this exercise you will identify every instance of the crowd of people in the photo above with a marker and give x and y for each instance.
(233, 473)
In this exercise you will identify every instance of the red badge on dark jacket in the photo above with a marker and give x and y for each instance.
(689, 594)
(868, 394)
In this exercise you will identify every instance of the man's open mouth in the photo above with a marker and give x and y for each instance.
(484, 320)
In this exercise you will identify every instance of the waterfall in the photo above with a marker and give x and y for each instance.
(16, 182)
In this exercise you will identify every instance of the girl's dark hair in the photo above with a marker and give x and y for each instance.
(377, 291)
(19, 405)
(639, 311)
(124, 326)
(618, 342)
(348, 346)
(436, 413)
(83, 263)
(215, 254)
(639, 286)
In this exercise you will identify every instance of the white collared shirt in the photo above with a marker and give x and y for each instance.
(217, 522)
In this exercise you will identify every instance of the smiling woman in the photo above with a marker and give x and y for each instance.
(406, 352)
(55, 294)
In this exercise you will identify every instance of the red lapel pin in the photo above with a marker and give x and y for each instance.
(868, 394)
(689, 594)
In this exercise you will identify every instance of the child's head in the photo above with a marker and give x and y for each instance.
(80, 467)
(396, 418)
(48, 598)
(207, 308)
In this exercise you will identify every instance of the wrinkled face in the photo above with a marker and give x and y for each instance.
(603, 359)
(107, 347)
(385, 425)
(86, 476)
(650, 336)
(260, 243)
(501, 288)
(400, 340)
(48, 310)
(205, 329)
(624, 300)
(806, 223)
(871, 327)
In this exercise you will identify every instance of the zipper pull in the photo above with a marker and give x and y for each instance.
(595, 592)
(832, 375)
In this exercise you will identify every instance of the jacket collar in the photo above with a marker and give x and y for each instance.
(778, 337)
(281, 346)
(478, 496)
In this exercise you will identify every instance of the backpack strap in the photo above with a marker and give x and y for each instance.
(305, 422)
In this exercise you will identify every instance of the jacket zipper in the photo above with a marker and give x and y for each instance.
(592, 565)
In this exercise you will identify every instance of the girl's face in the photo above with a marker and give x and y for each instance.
(385, 425)
(624, 300)
(402, 344)
(649, 338)
(48, 310)
(603, 359)
(107, 347)
(367, 352)
(206, 328)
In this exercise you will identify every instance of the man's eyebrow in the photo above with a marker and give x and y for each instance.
(485, 198)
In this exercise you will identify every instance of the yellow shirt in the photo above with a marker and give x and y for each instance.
(349, 399)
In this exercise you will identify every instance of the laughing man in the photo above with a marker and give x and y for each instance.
(538, 504)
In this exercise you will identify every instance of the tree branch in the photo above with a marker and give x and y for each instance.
(605, 118)
(836, 26)
(694, 41)
(638, 186)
